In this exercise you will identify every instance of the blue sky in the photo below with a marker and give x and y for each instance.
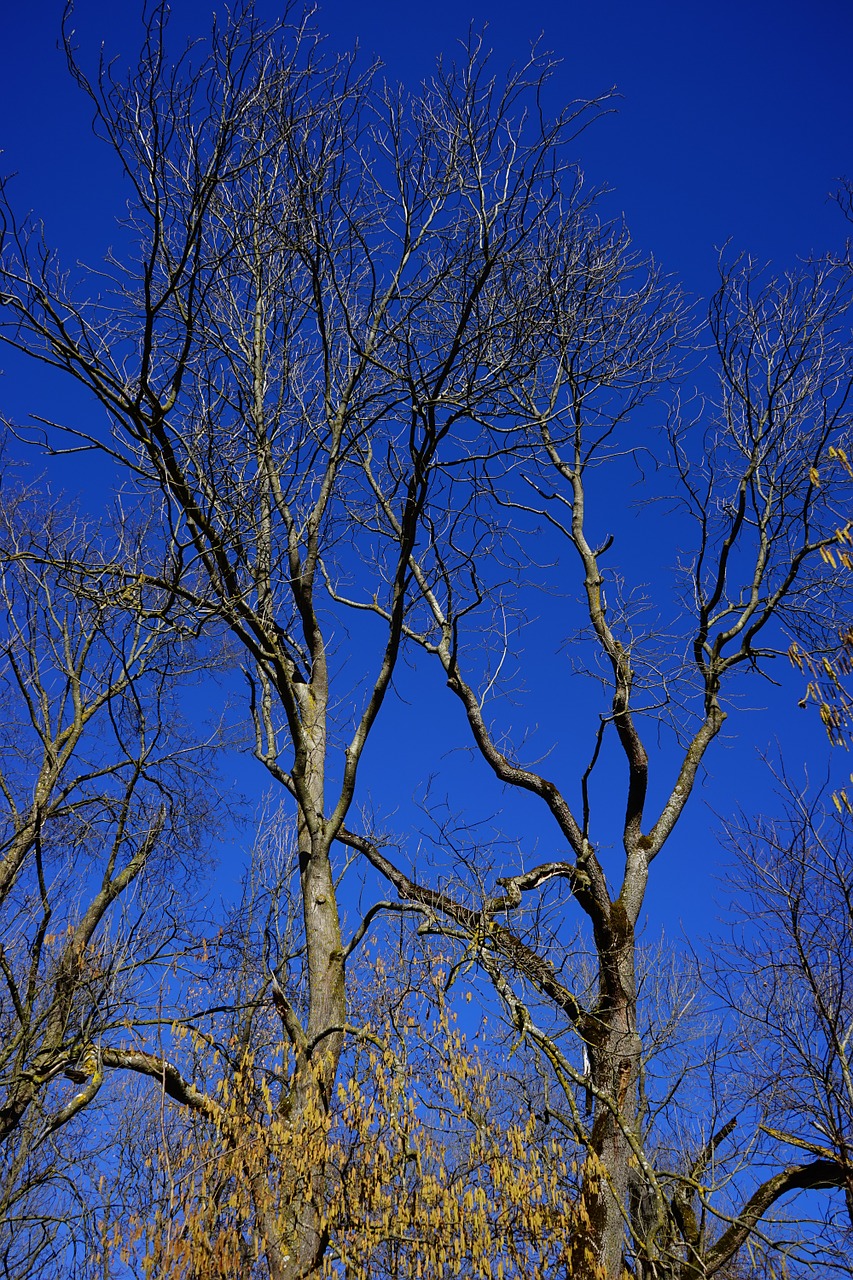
(734, 121)
(733, 126)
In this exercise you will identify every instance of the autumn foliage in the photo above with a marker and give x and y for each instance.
(432, 1172)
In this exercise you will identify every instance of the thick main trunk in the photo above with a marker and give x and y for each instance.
(313, 1085)
(307, 1221)
(614, 1072)
(324, 1031)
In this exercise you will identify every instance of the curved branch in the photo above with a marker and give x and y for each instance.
(167, 1076)
(799, 1177)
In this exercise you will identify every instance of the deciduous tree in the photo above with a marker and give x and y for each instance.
(101, 815)
(381, 368)
(769, 521)
(291, 246)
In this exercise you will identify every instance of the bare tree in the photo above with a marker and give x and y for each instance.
(309, 248)
(768, 507)
(101, 813)
(785, 975)
(364, 353)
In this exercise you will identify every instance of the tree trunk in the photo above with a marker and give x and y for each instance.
(314, 1074)
(614, 1071)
